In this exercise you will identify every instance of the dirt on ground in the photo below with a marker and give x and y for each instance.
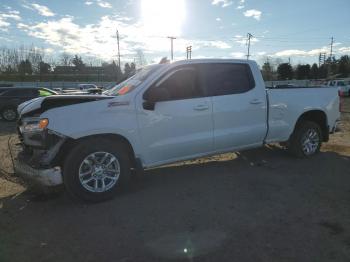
(257, 205)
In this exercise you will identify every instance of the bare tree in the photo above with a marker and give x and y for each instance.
(65, 59)
(140, 59)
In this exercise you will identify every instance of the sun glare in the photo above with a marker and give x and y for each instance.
(163, 17)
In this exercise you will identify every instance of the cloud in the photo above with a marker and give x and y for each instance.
(5, 17)
(217, 44)
(298, 52)
(223, 3)
(3, 24)
(218, 19)
(344, 50)
(99, 40)
(241, 4)
(256, 14)
(104, 4)
(41, 9)
(238, 54)
(243, 39)
(101, 3)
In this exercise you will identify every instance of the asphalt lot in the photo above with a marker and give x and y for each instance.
(259, 205)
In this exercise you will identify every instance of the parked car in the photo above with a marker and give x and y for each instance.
(11, 97)
(83, 89)
(87, 86)
(342, 86)
(163, 114)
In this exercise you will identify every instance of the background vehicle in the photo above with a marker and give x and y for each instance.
(163, 114)
(11, 97)
(342, 85)
(83, 89)
(87, 86)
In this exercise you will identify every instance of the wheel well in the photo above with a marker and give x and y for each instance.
(70, 143)
(319, 117)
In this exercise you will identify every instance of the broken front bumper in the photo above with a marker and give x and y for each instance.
(35, 161)
(36, 176)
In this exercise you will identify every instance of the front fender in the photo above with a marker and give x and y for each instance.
(95, 118)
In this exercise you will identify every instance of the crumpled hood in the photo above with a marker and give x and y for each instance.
(30, 105)
(42, 104)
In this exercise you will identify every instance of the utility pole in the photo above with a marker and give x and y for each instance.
(321, 59)
(189, 52)
(172, 46)
(331, 54)
(249, 36)
(118, 48)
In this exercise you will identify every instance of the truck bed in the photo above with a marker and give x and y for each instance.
(286, 105)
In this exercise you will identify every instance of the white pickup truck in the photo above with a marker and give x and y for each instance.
(163, 114)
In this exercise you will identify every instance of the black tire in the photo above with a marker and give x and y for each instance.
(295, 143)
(75, 158)
(5, 115)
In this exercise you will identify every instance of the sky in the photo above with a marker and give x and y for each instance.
(282, 29)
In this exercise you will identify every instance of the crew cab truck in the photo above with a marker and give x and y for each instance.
(163, 114)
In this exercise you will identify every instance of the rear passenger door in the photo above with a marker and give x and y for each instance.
(239, 105)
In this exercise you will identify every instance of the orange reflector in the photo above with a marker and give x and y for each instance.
(43, 123)
(124, 90)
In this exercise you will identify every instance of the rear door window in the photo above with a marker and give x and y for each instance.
(227, 78)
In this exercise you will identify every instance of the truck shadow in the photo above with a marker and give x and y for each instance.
(261, 192)
(271, 158)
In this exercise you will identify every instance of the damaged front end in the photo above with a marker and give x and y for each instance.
(40, 146)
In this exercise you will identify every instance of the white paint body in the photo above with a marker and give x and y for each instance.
(185, 129)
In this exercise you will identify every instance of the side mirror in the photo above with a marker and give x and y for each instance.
(154, 95)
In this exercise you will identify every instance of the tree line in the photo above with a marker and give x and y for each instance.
(332, 68)
(28, 63)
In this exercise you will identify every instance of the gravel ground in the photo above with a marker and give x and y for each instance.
(259, 205)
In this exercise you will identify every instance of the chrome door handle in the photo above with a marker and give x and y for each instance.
(201, 107)
(256, 102)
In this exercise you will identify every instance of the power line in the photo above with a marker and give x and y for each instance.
(189, 52)
(249, 36)
(118, 48)
(331, 54)
(172, 46)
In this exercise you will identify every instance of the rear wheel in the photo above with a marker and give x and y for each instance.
(306, 139)
(9, 114)
(96, 169)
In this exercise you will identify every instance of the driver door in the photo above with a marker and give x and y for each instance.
(180, 125)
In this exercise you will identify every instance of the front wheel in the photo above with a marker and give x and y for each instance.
(306, 139)
(96, 169)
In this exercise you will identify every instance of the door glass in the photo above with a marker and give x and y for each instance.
(225, 79)
(182, 84)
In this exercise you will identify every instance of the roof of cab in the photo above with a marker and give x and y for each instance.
(213, 60)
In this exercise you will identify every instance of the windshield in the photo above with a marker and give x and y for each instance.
(133, 82)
